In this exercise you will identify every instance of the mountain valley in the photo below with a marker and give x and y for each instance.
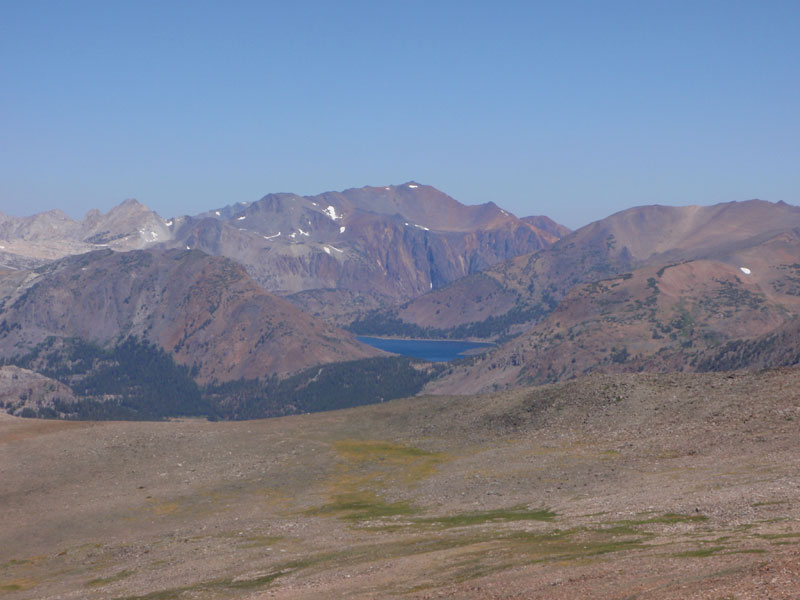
(629, 435)
(652, 288)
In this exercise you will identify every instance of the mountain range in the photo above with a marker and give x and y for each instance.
(335, 252)
(253, 291)
(650, 288)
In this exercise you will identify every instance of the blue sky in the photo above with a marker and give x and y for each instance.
(571, 109)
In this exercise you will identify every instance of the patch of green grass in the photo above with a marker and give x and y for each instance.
(259, 541)
(777, 536)
(577, 543)
(515, 513)
(405, 464)
(105, 580)
(362, 506)
(371, 449)
(677, 518)
(15, 585)
(666, 519)
(577, 550)
(700, 552)
(366, 467)
(774, 520)
(15, 563)
(617, 529)
(256, 582)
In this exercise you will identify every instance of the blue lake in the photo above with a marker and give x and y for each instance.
(431, 350)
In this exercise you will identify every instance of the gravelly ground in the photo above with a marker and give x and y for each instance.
(648, 486)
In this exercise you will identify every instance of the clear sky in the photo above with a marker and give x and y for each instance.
(570, 109)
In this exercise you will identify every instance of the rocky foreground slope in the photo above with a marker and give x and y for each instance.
(650, 486)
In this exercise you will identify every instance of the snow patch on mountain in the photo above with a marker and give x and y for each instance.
(331, 212)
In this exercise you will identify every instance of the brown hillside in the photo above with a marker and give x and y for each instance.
(637, 237)
(667, 318)
(204, 310)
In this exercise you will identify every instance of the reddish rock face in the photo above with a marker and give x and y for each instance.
(548, 225)
(204, 310)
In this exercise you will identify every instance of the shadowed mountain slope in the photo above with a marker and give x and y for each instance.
(205, 311)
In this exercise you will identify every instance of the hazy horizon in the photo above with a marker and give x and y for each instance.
(80, 216)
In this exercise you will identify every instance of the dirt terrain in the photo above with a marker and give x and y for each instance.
(624, 486)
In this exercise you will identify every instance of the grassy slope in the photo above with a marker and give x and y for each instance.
(607, 486)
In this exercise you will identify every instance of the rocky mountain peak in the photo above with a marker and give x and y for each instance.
(130, 206)
(391, 242)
